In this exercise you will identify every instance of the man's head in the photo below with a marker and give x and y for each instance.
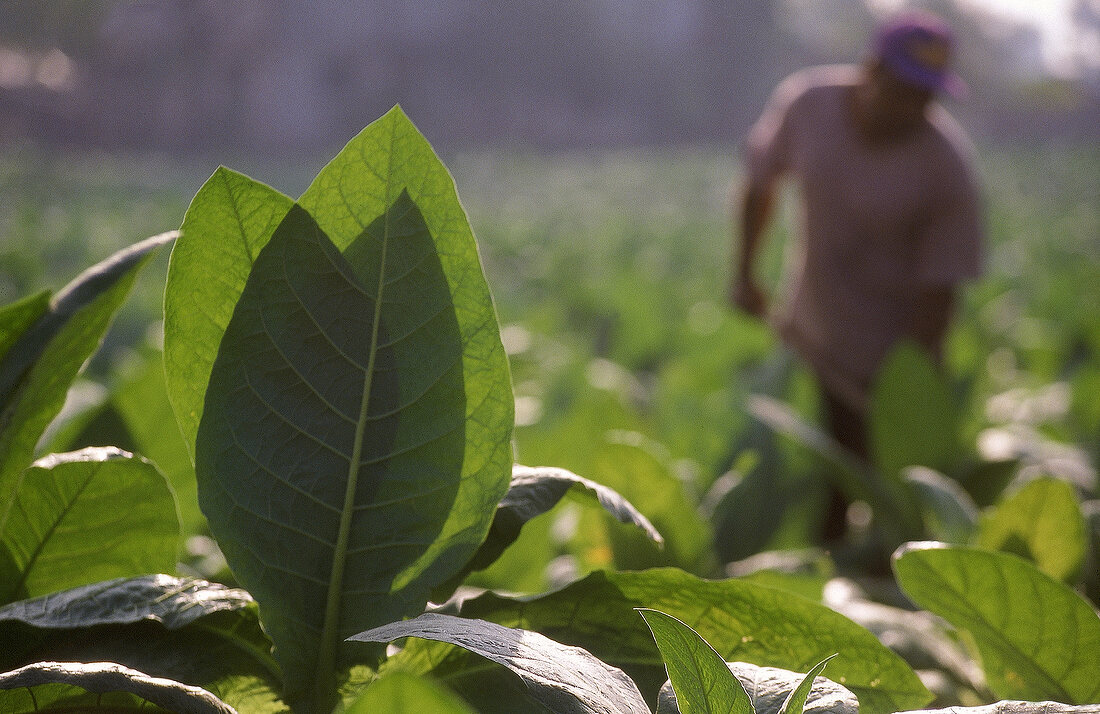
(910, 64)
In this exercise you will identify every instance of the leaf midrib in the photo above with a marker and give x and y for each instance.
(326, 661)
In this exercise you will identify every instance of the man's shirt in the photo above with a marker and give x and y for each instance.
(882, 225)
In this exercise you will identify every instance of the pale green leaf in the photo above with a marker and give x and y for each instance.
(1041, 522)
(403, 693)
(1038, 639)
(228, 222)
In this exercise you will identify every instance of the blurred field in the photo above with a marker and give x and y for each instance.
(609, 272)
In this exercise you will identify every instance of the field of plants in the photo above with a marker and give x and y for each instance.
(296, 458)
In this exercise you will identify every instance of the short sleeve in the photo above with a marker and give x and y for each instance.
(951, 243)
(769, 145)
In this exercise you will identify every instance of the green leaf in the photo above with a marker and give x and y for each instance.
(403, 693)
(1041, 522)
(948, 511)
(796, 700)
(17, 317)
(173, 602)
(86, 516)
(565, 680)
(913, 419)
(699, 675)
(355, 436)
(228, 222)
(40, 681)
(742, 621)
(770, 688)
(896, 510)
(1038, 638)
(534, 491)
(40, 365)
(189, 630)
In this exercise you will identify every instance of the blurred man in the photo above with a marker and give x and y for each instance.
(890, 214)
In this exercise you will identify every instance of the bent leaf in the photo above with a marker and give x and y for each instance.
(231, 218)
(699, 676)
(173, 602)
(57, 685)
(742, 621)
(40, 365)
(1015, 707)
(86, 516)
(534, 491)
(565, 680)
(337, 462)
(1038, 639)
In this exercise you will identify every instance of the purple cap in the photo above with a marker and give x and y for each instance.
(917, 48)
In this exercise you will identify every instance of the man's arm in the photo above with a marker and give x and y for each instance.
(750, 217)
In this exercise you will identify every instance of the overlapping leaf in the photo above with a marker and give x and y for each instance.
(565, 680)
(1038, 639)
(43, 355)
(86, 516)
(742, 621)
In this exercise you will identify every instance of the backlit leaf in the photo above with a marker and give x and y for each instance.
(1038, 639)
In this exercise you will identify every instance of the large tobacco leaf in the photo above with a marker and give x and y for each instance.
(85, 516)
(743, 621)
(44, 351)
(562, 679)
(231, 218)
(76, 686)
(1038, 639)
(355, 434)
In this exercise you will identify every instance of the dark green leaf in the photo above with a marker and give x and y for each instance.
(228, 222)
(770, 688)
(743, 621)
(1041, 522)
(17, 318)
(355, 434)
(1038, 638)
(403, 693)
(100, 678)
(41, 364)
(86, 516)
(566, 680)
(699, 676)
(189, 630)
(889, 497)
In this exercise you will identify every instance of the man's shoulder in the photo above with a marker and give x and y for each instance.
(949, 139)
(820, 79)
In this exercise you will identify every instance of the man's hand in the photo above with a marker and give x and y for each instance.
(746, 295)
